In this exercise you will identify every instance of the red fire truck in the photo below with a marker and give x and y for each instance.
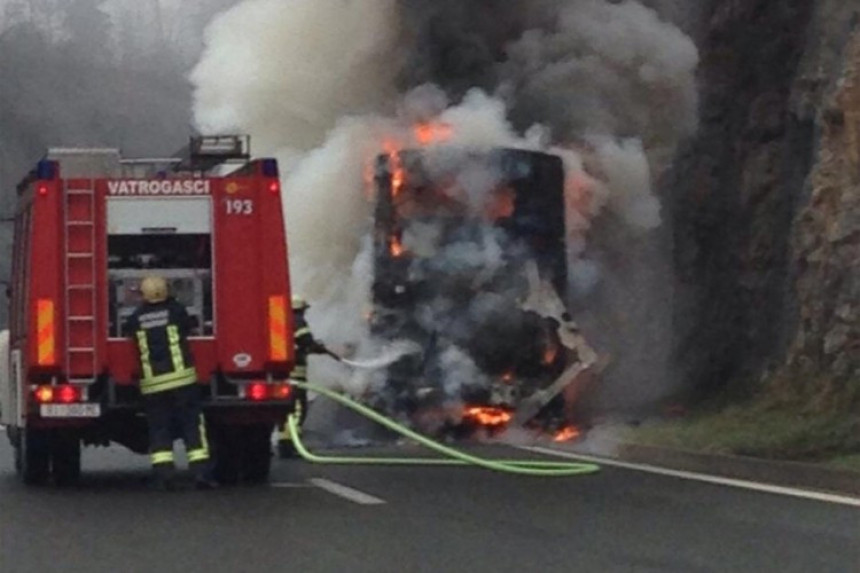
(89, 226)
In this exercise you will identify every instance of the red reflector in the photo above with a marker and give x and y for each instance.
(44, 394)
(281, 391)
(67, 394)
(274, 187)
(257, 392)
(42, 190)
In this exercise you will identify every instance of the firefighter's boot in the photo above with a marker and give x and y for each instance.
(203, 479)
(163, 477)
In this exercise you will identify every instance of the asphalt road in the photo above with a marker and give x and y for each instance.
(412, 519)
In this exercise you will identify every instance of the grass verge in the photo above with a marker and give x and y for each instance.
(756, 430)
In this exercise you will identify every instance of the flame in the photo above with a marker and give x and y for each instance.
(566, 433)
(549, 354)
(427, 133)
(395, 164)
(395, 246)
(501, 204)
(487, 415)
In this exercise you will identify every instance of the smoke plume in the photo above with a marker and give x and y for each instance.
(326, 85)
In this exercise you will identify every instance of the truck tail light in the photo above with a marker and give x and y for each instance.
(281, 391)
(62, 394)
(260, 391)
(45, 332)
(257, 392)
(278, 328)
(44, 394)
(67, 394)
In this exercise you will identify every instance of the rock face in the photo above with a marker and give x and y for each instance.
(826, 238)
(766, 198)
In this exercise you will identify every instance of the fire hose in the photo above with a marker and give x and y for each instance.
(454, 456)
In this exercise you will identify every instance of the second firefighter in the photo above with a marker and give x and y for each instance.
(306, 345)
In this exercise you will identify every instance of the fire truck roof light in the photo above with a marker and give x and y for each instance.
(46, 169)
(269, 168)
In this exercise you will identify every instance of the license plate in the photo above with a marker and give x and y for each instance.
(70, 410)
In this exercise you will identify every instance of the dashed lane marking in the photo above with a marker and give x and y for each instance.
(730, 482)
(346, 492)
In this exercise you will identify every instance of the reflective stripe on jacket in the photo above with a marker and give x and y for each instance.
(305, 344)
(161, 332)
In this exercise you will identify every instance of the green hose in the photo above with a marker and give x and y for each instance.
(456, 457)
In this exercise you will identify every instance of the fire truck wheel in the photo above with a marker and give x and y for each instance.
(227, 454)
(257, 453)
(32, 456)
(66, 459)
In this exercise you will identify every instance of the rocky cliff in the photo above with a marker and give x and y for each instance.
(766, 202)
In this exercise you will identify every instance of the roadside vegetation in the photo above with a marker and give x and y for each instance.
(820, 428)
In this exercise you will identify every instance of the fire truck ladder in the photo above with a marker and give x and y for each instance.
(80, 280)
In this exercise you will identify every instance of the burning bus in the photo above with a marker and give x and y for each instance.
(470, 263)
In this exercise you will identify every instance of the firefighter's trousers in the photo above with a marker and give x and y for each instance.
(177, 414)
(301, 412)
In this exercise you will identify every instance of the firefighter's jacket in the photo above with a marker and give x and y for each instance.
(306, 344)
(161, 332)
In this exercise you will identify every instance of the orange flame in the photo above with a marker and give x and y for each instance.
(566, 433)
(395, 246)
(502, 204)
(397, 174)
(549, 354)
(427, 133)
(395, 163)
(487, 415)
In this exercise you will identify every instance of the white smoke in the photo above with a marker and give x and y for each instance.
(287, 71)
(611, 86)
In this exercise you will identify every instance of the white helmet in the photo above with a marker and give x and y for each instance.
(299, 303)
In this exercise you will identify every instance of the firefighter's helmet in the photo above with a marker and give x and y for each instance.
(154, 289)
(299, 303)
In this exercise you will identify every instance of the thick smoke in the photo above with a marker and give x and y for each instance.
(328, 84)
(286, 72)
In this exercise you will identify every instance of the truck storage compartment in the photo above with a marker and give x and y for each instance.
(142, 241)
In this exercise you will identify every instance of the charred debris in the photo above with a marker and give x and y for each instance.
(470, 263)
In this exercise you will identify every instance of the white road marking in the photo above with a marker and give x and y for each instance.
(730, 482)
(287, 485)
(346, 492)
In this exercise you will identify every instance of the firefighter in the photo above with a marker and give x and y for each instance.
(160, 327)
(305, 344)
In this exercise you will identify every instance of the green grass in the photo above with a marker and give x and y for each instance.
(849, 462)
(756, 430)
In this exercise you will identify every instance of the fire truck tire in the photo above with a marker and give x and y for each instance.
(227, 452)
(66, 459)
(33, 456)
(257, 453)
